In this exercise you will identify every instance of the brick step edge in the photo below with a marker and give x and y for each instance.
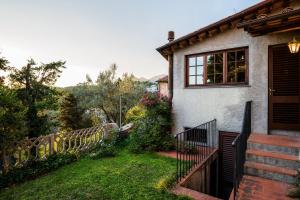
(270, 168)
(272, 154)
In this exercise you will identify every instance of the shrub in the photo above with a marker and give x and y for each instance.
(135, 113)
(184, 147)
(107, 148)
(153, 131)
(104, 151)
(35, 168)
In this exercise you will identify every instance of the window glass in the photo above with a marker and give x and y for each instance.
(192, 80)
(219, 58)
(199, 70)
(219, 68)
(236, 67)
(200, 80)
(240, 56)
(192, 61)
(210, 59)
(230, 56)
(200, 60)
(218, 78)
(210, 79)
(192, 71)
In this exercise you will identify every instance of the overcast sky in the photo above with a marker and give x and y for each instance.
(92, 34)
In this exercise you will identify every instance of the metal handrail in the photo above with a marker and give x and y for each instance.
(239, 146)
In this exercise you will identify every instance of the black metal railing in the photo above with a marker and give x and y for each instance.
(239, 146)
(194, 145)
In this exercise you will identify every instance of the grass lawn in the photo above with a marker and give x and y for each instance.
(126, 176)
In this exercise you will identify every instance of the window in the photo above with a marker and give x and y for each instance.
(214, 68)
(222, 67)
(196, 135)
(236, 66)
(195, 69)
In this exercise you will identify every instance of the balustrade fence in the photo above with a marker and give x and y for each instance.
(43, 146)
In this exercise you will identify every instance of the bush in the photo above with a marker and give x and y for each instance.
(185, 148)
(107, 148)
(104, 151)
(135, 113)
(35, 168)
(153, 131)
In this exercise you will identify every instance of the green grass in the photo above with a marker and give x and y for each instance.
(127, 176)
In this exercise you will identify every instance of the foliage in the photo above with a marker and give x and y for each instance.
(33, 84)
(35, 168)
(3, 67)
(106, 150)
(135, 113)
(153, 132)
(11, 118)
(186, 148)
(70, 114)
(104, 95)
(166, 182)
(126, 176)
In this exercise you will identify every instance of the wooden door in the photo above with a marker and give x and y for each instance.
(284, 107)
(226, 154)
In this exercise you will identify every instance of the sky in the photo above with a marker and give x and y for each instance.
(90, 35)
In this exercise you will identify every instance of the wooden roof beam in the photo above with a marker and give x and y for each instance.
(193, 40)
(224, 27)
(175, 47)
(183, 44)
(202, 36)
(167, 51)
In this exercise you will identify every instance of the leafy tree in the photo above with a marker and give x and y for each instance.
(70, 114)
(12, 115)
(3, 67)
(104, 95)
(111, 89)
(33, 84)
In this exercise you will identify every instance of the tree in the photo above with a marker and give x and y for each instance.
(104, 95)
(3, 67)
(33, 84)
(70, 114)
(111, 89)
(12, 124)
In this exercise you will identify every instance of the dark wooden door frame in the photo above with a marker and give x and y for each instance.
(270, 81)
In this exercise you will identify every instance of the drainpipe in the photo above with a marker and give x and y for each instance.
(170, 59)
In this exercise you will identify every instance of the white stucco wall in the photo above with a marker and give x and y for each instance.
(192, 107)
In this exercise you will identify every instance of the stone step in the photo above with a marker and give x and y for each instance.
(273, 158)
(274, 143)
(271, 172)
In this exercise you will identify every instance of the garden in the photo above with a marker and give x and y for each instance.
(119, 166)
(125, 176)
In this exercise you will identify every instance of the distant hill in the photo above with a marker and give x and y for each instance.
(152, 79)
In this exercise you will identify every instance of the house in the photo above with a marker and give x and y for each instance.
(152, 87)
(248, 56)
(163, 86)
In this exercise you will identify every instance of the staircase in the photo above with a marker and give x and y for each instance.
(273, 157)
